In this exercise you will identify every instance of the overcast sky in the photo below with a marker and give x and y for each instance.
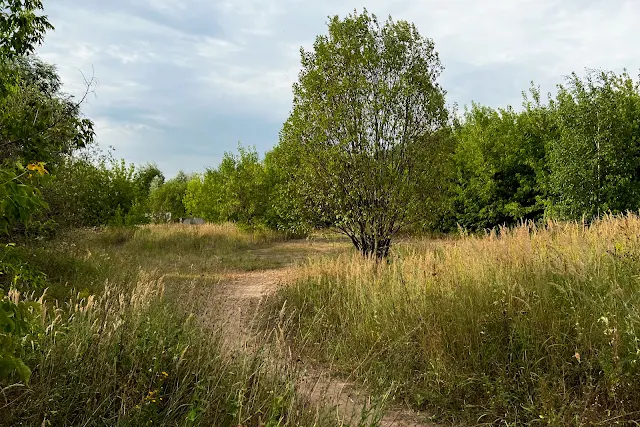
(182, 81)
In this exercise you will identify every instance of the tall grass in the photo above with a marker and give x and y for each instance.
(133, 358)
(524, 326)
(117, 345)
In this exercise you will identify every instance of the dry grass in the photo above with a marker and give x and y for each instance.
(534, 325)
(117, 343)
(134, 358)
(82, 260)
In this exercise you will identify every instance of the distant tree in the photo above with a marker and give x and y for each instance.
(169, 197)
(146, 177)
(235, 191)
(595, 161)
(367, 122)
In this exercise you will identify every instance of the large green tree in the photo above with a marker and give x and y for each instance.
(367, 121)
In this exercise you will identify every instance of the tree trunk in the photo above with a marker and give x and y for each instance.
(371, 246)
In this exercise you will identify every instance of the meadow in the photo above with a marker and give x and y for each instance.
(534, 325)
(118, 340)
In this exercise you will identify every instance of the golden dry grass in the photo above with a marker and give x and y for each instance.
(524, 325)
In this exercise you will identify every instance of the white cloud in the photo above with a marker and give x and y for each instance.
(169, 63)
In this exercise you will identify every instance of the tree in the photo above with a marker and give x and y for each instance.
(368, 119)
(146, 177)
(285, 210)
(37, 120)
(498, 159)
(235, 191)
(21, 27)
(594, 162)
(169, 197)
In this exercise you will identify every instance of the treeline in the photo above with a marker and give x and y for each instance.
(572, 155)
(575, 156)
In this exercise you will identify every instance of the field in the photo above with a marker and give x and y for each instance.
(124, 339)
(524, 326)
(211, 325)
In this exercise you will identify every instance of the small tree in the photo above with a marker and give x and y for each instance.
(367, 120)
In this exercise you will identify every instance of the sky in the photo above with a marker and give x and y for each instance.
(182, 81)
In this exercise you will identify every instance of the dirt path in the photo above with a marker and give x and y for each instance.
(236, 300)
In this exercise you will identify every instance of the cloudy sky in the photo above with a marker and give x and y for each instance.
(183, 81)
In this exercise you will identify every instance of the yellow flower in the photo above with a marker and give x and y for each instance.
(577, 356)
(37, 166)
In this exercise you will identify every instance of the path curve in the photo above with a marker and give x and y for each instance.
(238, 297)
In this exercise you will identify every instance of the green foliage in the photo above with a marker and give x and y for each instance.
(236, 191)
(147, 178)
(37, 121)
(89, 191)
(18, 200)
(574, 157)
(21, 140)
(499, 162)
(287, 209)
(21, 27)
(168, 198)
(17, 273)
(594, 162)
(16, 325)
(366, 114)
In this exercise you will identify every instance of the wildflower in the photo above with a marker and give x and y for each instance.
(37, 166)
(577, 356)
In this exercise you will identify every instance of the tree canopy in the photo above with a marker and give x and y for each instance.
(366, 122)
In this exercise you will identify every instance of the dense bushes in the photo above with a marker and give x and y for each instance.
(87, 193)
(574, 156)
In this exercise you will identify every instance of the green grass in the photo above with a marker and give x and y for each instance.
(117, 345)
(84, 260)
(536, 326)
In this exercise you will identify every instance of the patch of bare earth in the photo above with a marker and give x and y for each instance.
(234, 303)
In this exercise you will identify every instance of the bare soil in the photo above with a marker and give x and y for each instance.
(234, 303)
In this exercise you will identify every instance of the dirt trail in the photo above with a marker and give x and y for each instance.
(237, 298)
